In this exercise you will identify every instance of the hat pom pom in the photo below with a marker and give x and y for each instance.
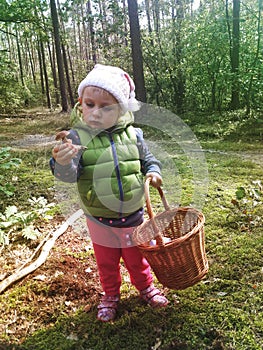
(133, 104)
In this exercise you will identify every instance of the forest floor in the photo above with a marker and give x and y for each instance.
(45, 310)
(70, 273)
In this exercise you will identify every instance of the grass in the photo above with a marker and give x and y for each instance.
(31, 122)
(223, 312)
(31, 173)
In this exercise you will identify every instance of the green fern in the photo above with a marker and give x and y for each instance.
(14, 223)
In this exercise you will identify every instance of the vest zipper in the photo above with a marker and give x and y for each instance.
(117, 171)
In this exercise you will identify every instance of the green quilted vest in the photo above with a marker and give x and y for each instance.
(111, 184)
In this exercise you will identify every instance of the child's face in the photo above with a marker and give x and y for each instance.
(100, 109)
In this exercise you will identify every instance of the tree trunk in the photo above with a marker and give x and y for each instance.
(55, 23)
(103, 18)
(41, 69)
(125, 23)
(54, 74)
(85, 31)
(19, 58)
(31, 62)
(156, 15)
(92, 33)
(65, 60)
(234, 41)
(137, 59)
(148, 16)
(179, 92)
(71, 69)
(45, 74)
(52, 56)
(235, 54)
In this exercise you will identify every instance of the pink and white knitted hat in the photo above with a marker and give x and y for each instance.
(114, 80)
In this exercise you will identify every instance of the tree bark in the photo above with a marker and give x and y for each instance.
(156, 15)
(31, 64)
(235, 54)
(55, 23)
(125, 22)
(41, 69)
(85, 33)
(148, 16)
(137, 59)
(45, 74)
(180, 80)
(65, 60)
(234, 42)
(92, 33)
(19, 58)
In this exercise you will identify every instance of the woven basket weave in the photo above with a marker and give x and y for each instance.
(181, 262)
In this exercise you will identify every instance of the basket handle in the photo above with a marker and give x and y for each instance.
(159, 237)
(148, 201)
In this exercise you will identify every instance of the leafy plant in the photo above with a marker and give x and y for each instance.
(6, 163)
(15, 223)
(246, 205)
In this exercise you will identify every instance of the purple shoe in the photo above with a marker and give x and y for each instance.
(153, 297)
(108, 308)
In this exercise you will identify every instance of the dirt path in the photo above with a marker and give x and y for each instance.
(40, 140)
(250, 155)
(34, 141)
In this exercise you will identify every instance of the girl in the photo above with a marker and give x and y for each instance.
(109, 173)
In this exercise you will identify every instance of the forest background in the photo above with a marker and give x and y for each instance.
(182, 56)
(201, 60)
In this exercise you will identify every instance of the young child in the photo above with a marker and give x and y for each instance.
(109, 171)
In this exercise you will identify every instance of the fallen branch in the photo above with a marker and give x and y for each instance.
(20, 273)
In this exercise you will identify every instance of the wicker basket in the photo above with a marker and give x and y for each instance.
(178, 258)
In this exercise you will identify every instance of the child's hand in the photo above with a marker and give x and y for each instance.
(156, 179)
(66, 151)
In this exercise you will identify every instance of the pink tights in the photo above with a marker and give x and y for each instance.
(110, 245)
